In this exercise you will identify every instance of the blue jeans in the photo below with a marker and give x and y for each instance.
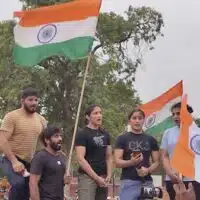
(19, 184)
(130, 190)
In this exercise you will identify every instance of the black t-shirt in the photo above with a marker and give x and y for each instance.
(52, 170)
(95, 141)
(130, 143)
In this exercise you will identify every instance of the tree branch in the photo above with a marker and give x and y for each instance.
(96, 48)
(119, 42)
(126, 38)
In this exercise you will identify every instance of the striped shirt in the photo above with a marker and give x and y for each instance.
(22, 131)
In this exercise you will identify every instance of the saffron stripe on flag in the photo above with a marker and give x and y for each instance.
(73, 11)
(183, 158)
(158, 103)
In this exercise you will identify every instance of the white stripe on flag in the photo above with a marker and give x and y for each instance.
(194, 131)
(59, 32)
(197, 167)
(165, 112)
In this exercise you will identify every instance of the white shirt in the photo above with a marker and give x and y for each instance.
(169, 141)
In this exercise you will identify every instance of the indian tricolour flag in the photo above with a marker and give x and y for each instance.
(158, 111)
(65, 30)
(186, 155)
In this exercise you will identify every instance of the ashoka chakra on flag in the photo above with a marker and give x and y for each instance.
(158, 110)
(195, 144)
(47, 33)
(150, 120)
(66, 29)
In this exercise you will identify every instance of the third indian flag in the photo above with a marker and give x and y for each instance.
(65, 30)
(188, 146)
(157, 111)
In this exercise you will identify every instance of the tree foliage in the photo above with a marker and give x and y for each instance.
(198, 122)
(111, 76)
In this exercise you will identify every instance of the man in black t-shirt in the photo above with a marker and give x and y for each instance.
(48, 168)
(132, 153)
(94, 156)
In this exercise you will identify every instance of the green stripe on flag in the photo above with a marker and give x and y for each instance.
(161, 127)
(73, 49)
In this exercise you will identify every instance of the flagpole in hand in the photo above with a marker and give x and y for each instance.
(78, 113)
(180, 176)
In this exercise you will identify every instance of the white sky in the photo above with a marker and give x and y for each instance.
(175, 56)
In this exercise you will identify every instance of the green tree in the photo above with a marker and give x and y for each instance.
(11, 77)
(111, 77)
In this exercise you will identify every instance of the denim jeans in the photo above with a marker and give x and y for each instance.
(131, 189)
(19, 184)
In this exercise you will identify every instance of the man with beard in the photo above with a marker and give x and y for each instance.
(48, 168)
(18, 140)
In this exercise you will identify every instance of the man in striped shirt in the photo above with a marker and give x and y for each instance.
(18, 140)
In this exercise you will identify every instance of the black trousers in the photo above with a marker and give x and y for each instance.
(171, 192)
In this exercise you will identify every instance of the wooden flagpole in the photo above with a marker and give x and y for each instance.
(180, 176)
(78, 114)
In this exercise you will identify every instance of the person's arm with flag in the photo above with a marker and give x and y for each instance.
(166, 160)
(186, 155)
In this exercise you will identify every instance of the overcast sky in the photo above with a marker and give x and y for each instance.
(175, 57)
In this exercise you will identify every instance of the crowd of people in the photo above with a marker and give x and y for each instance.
(42, 175)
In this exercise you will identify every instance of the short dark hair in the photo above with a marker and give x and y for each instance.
(134, 111)
(29, 91)
(48, 132)
(178, 105)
